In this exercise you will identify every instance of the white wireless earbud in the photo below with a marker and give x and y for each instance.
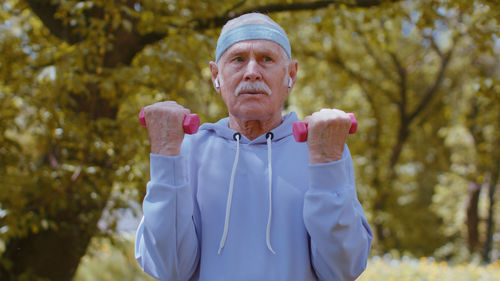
(216, 82)
(290, 82)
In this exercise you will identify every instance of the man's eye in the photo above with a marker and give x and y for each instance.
(267, 59)
(238, 59)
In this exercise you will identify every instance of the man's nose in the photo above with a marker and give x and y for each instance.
(252, 71)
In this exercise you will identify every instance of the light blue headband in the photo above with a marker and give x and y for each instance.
(249, 32)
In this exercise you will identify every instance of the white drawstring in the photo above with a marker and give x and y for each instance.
(269, 137)
(230, 194)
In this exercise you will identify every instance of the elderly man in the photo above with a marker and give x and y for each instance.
(241, 200)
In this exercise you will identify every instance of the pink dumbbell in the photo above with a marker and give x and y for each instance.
(190, 124)
(300, 128)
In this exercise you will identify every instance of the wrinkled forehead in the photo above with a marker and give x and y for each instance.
(252, 31)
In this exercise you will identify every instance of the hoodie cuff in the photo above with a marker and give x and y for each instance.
(331, 176)
(168, 170)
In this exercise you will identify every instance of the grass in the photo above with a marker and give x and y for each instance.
(426, 269)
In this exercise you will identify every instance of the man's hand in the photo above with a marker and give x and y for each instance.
(164, 123)
(328, 130)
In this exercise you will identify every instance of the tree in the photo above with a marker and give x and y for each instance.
(422, 77)
(405, 68)
(74, 76)
(378, 56)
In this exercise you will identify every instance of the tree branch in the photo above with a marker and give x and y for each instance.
(435, 86)
(402, 83)
(129, 43)
(358, 76)
(45, 10)
(370, 52)
(436, 47)
(219, 21)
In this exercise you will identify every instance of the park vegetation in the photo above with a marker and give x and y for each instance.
(110, 260)
(423, 78)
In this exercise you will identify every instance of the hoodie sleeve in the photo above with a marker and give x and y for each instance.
(167, 246)
(340, 235)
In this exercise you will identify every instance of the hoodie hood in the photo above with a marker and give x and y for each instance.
(221, 128)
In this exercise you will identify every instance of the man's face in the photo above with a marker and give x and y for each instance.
(254, 61)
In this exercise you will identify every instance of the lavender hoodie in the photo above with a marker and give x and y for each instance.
(234, 210)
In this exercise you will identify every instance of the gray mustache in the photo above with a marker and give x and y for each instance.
(258, 86)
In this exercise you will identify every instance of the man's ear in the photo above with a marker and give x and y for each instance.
(215, 73)
(292, 72)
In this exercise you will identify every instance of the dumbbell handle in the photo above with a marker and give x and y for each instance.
(300, 128)
(190, 124)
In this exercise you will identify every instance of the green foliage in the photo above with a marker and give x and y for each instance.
(422, 77)
(111, 259)
(411, 71)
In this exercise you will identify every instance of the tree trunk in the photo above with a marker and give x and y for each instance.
(55, 254)
(490, 223)
(51, 254)
(473, 216)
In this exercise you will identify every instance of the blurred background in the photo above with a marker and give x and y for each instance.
(423, 78)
